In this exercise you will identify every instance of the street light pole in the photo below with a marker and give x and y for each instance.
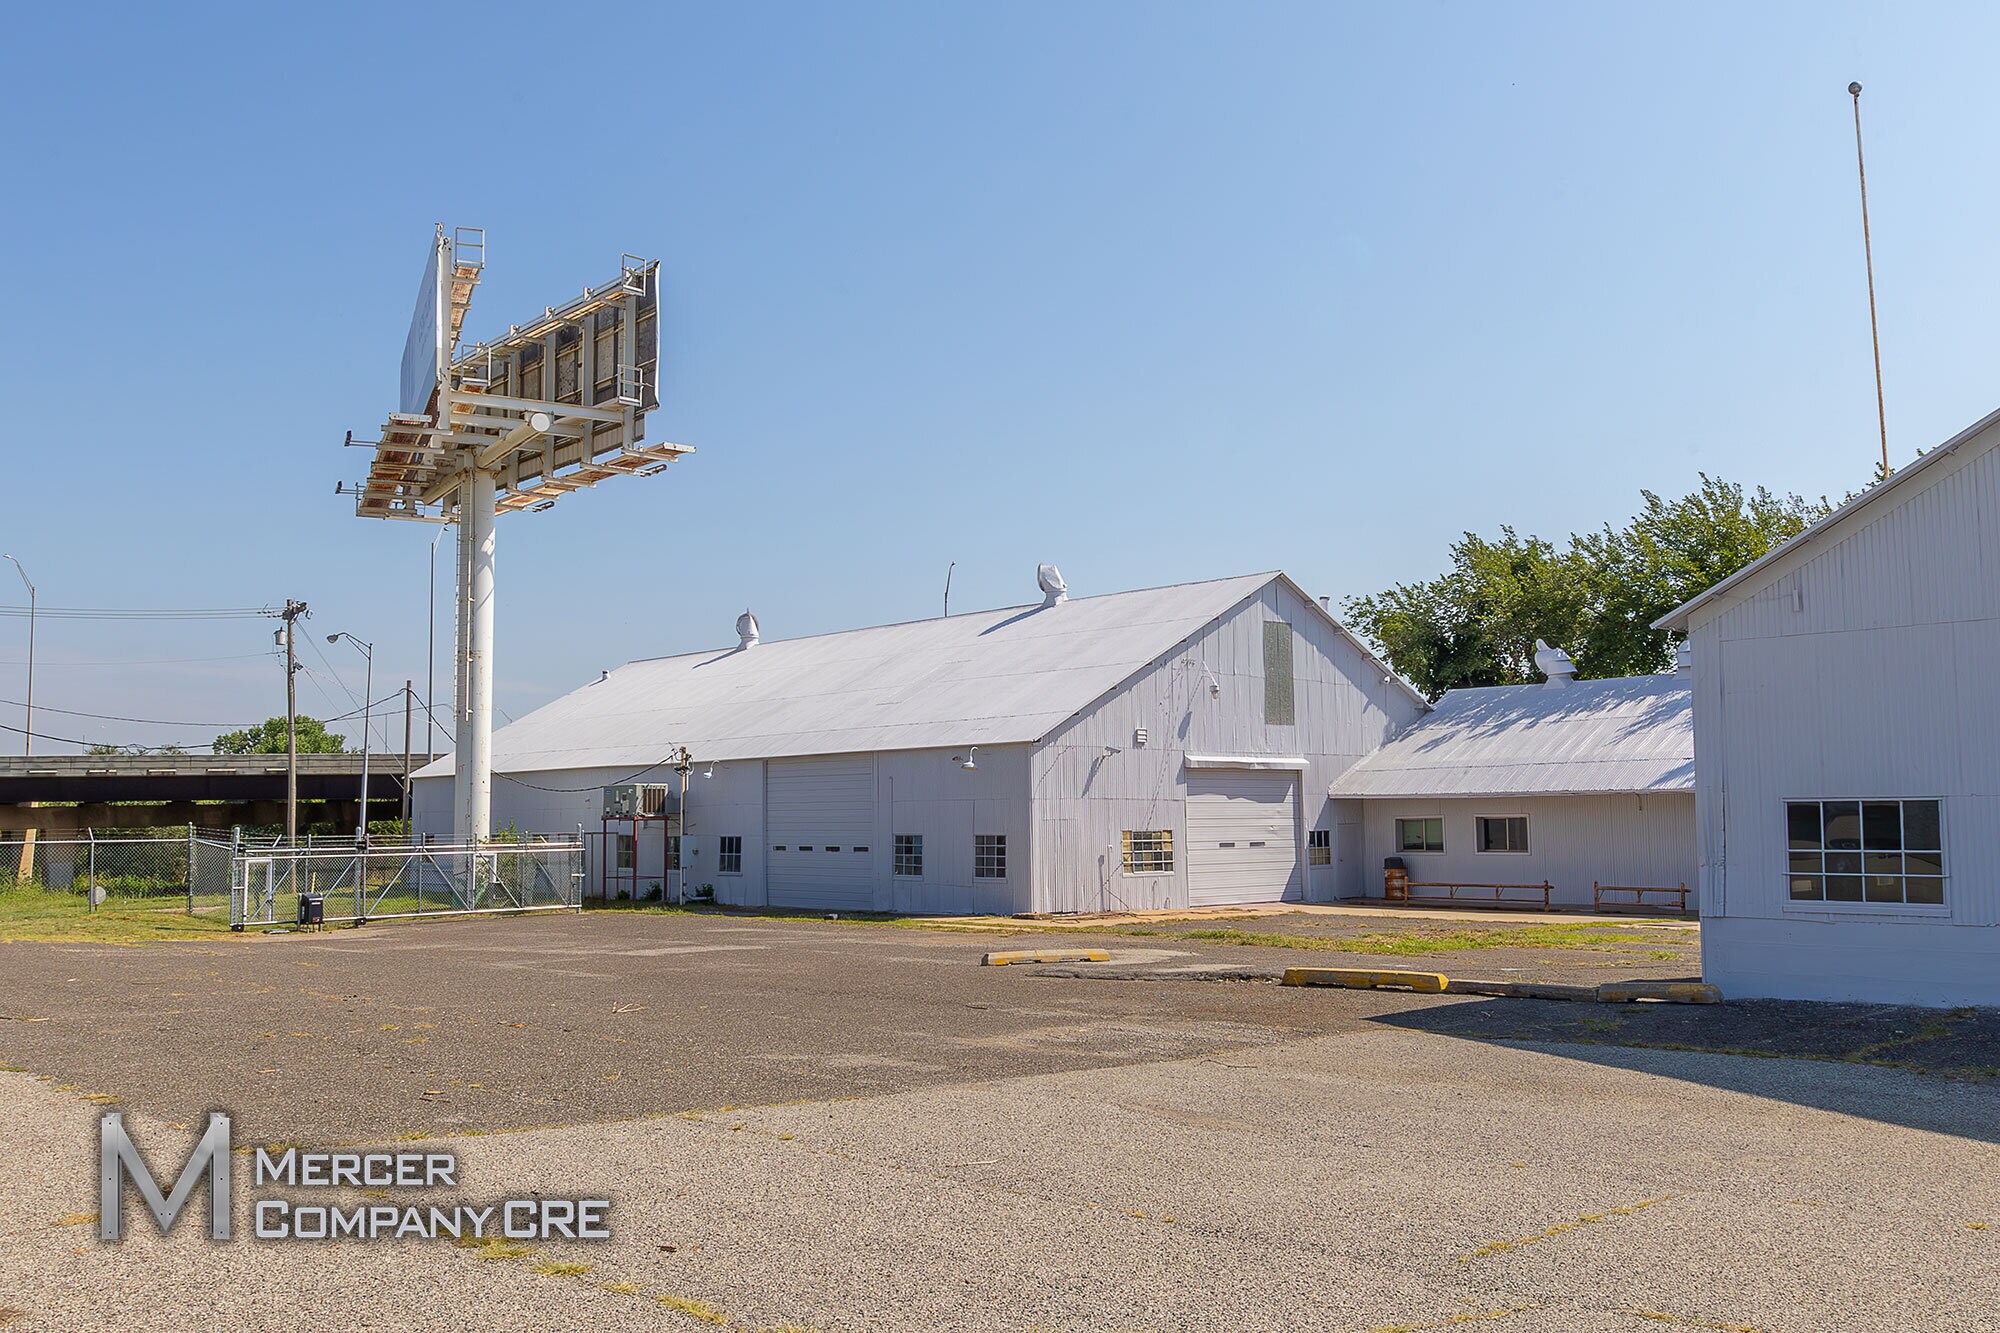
(367, 702)
(28, 727)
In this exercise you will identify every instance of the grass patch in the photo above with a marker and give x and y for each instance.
(558, 1268)
(1418, 943)
(494, 1247)
(34, 914)
(700, 1311)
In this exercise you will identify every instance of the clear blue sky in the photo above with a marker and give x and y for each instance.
(1159, 292)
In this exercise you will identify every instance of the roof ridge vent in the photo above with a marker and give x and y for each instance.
(1554, 663)
(1054, 590)
(746, 630)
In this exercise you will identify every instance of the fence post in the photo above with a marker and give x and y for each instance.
(90, 874)
(190, 868)
(581, 871)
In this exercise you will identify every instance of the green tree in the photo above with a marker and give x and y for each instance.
(1477, 623)
(268, 737)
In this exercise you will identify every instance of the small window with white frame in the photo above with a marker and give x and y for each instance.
(1149, 851)
(1502, 833)
(729, 855)
(673, 851)
(989, 856)
(1888, 852)
(1319, 847)
(909, 855)
(628, 850)
(1420, 835)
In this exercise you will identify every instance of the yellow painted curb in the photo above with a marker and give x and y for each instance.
(1363, 978)
(1673, 992)
(1046, 956)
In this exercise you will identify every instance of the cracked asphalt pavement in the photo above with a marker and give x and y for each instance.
(828, 1126)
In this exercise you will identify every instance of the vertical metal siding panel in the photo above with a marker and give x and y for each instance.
(1879, 687)
(1573, 842)
(1344, 708)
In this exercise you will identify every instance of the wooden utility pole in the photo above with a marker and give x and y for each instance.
(292, 612)
(407, 701)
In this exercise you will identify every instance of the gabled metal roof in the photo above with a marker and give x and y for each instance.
(1627, 734)
(1679, 618)
(983, 678)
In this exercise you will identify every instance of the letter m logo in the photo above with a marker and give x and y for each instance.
(118, 1160)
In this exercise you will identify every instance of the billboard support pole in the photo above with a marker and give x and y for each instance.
(476, 526)
(461, 735)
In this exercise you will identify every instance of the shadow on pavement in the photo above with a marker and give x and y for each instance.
(1792, 1048)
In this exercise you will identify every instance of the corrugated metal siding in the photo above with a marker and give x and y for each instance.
(820, 811)
(1204, 696)
(1860, 667)
(1573, 841)
(1242, 838)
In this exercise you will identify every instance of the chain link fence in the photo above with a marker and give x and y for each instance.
(261, 884)
(187, 869)
(269, 885)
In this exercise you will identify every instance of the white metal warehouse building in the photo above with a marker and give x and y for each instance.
(1569, 782)
(1847, 786)
(1162, 748)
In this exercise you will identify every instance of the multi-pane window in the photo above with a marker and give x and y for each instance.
(989, 856)
(1279, 706)
(1149, 851)
(1866, 852)
(1420, 835)
(673, 851)
(909, 855)
(628, 850)
(1509, 834)
(729, 856)
(1319, 847)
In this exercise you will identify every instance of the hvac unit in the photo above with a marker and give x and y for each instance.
(638, 800)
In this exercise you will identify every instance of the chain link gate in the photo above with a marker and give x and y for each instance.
(267, 883)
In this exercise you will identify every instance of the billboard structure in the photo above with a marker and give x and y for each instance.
(554, 405)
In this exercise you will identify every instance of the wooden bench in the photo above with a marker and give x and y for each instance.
(1486, 895)
(1638, 902)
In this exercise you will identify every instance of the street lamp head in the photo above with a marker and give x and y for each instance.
(333, 638)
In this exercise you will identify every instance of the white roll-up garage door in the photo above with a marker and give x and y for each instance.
(822, 824)
(1242, 836)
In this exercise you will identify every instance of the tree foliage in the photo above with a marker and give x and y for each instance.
(1597, 597)
(268, 737)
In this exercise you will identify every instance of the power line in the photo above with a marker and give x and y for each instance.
(113, 717)
(151, 661)
(44, 736)
(137, 613)
(161, 722)
(328, 663)
(629, 777)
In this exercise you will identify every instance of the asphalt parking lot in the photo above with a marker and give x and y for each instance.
(829, 1125)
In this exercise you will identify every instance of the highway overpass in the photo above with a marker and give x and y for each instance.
(61, 794)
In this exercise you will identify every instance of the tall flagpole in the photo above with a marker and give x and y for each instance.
(1868, 253)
